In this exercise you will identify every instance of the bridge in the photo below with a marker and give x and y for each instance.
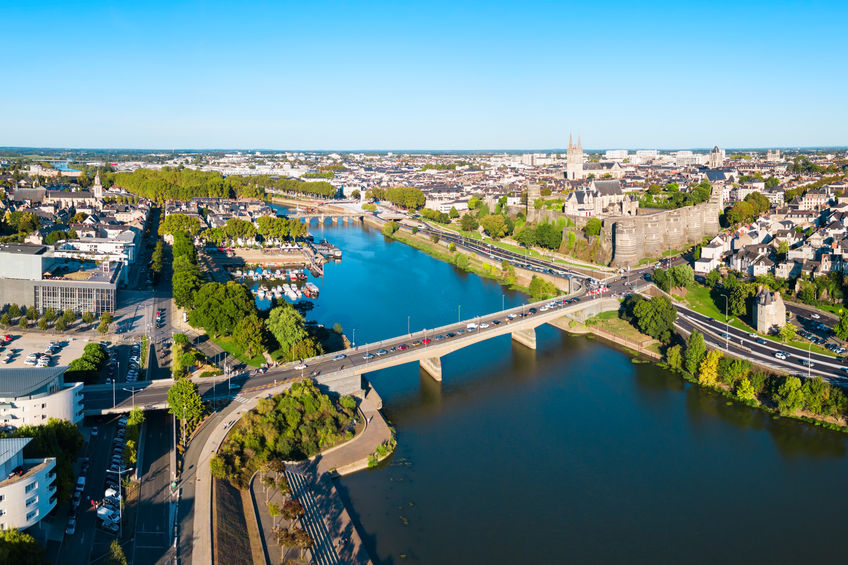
(322, 216)
(342, 371)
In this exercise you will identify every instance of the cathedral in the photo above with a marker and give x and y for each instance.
(574, 160)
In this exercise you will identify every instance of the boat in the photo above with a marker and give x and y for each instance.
(311, 289)
(291, 294)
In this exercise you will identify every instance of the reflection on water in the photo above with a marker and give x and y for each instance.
(570, 453)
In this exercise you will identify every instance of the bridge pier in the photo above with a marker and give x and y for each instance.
(433, 367)
(527, 337)
(341, 385)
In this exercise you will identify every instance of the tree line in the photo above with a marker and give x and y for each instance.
(402, 196)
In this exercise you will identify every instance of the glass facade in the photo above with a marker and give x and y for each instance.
(79, 298)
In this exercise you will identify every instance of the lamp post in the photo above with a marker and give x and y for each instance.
(809, 363)
(459, 313)
(353, 343)
(132, 390)
(408, 332)
(726, 334)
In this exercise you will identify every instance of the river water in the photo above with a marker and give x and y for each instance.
(573, 453)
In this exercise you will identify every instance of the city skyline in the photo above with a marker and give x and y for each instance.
(451, 77)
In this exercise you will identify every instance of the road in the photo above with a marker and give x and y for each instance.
(153, 514)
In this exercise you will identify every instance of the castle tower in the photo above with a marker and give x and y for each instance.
(574, 160)
(715, 158)
(534, 192)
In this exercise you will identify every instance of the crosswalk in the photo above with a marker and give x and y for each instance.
(240, 398)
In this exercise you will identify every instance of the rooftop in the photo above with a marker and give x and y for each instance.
(10, 446)
(15, 383)
(23, 248)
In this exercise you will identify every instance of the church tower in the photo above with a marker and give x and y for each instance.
(715, 158)
(574, 160)
(97, 188)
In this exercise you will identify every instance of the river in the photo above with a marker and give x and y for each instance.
(573, 453)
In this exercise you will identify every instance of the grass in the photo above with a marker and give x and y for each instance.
(610, 322)
(234, 349)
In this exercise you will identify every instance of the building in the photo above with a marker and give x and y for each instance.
(32, 396)
(769, 311)
(27, 488)
(601, 198)
(35, 274)
(574, 160)
(716, 158)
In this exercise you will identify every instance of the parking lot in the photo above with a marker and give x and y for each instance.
(68, 349)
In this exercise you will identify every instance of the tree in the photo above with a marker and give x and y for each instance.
(783, 247)
(841, 328)
(20, 548)
(655, 317)
(287, 325)
(461, 260)
(390, 228)
(745, 391)
(292, 510)
(527, 236)
(738, 301)
(787, 332)
(60, 325)
(355, 195)
(274, 510)
(248, 333)
(69, 316)
(789, 396)
(103, 327)
(88, 317)
(541, 289)
(42, 324)
(468, 223)
(454, 213)
(302, 540)
(5, 319)
(107, 317)
(674, 356)
(708, 369)
(494, 225)
(14, 310)
(23, 323)
(50, 314)
(218, 308)
(592, 227)
(713, 278)
(661, 279)
(180, 339)
(681, 275)
(116, 554)
(184, 401)
(696, 349)
(32, 313)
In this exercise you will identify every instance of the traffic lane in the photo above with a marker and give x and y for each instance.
(152, 529)
(737, 333)
(746, 345)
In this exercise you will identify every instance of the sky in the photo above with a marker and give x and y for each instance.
(424, 75)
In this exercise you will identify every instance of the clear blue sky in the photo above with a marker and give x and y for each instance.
(435, 75)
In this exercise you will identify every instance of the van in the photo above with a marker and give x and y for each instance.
(80, 483)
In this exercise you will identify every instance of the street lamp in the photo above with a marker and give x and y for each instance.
(459, 313)
(809, 363)
(408, 332)
(132, 390)
(726, 334)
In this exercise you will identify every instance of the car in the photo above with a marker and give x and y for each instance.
(381, 352)
(416, 343)
(512, 316)
(426, 340)
(439, 337)
(460, 331)
(725, 335)
(484, 325)
(94, 431)
(815, 316)
(780, 355)
(532, 310)
(368, 356)
(496, 322)
(339, 357)
(300, 366)
(807, 363)
(402, 347)
(761, 341)
(71, 527)
(110, 526)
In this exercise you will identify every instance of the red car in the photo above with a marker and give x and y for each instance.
(426, 340)
(403, 347)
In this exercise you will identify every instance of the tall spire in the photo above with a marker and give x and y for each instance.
(570, 141)
(579, 145)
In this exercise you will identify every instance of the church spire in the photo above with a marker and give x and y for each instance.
(570, 140)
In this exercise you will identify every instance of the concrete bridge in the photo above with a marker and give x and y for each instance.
(322, 217)
(342, 371)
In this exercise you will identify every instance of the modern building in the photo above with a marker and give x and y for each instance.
(32, 396)
(35, 274)
(769, 311)
(27, 486)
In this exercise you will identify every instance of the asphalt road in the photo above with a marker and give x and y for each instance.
(153, 522)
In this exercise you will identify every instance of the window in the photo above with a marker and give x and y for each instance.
(32, 500)
(32, 515)
(31, 486)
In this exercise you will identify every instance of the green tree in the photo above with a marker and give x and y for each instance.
(32, 313)
(454, 213)
(708, 369)
(789, 396)
(180, 338)
(23, 323)
(88, 317)
(541, 289)
(461, 260)
(674, 356)
(713, 278)
(69, 316)
(787, 332)
(655, 317)
(50, 314)
(592, 227)
(527, 236)
(390, 228)
(248, 333)
(14, 310)
(468, 223)
(745, 391)
(696, 349)
(682, 275)
(219, 307)
(179, 222)
(184, 401)
(5, 319)
(116, 554)
(42, 324)
(355, 195)
(841, 327)
(661, 279)
(738, 302)
(20, 548)
(287, 326)
(60, 325)
(494, 225)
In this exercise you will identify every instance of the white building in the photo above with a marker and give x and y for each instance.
(27, 488)
(615, 154)
(32, 396)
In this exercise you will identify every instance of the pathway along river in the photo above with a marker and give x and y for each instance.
(573, 453)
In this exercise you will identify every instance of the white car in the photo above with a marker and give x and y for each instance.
(300, 366)
(484, 325)
(815, 316)
(780, 355)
